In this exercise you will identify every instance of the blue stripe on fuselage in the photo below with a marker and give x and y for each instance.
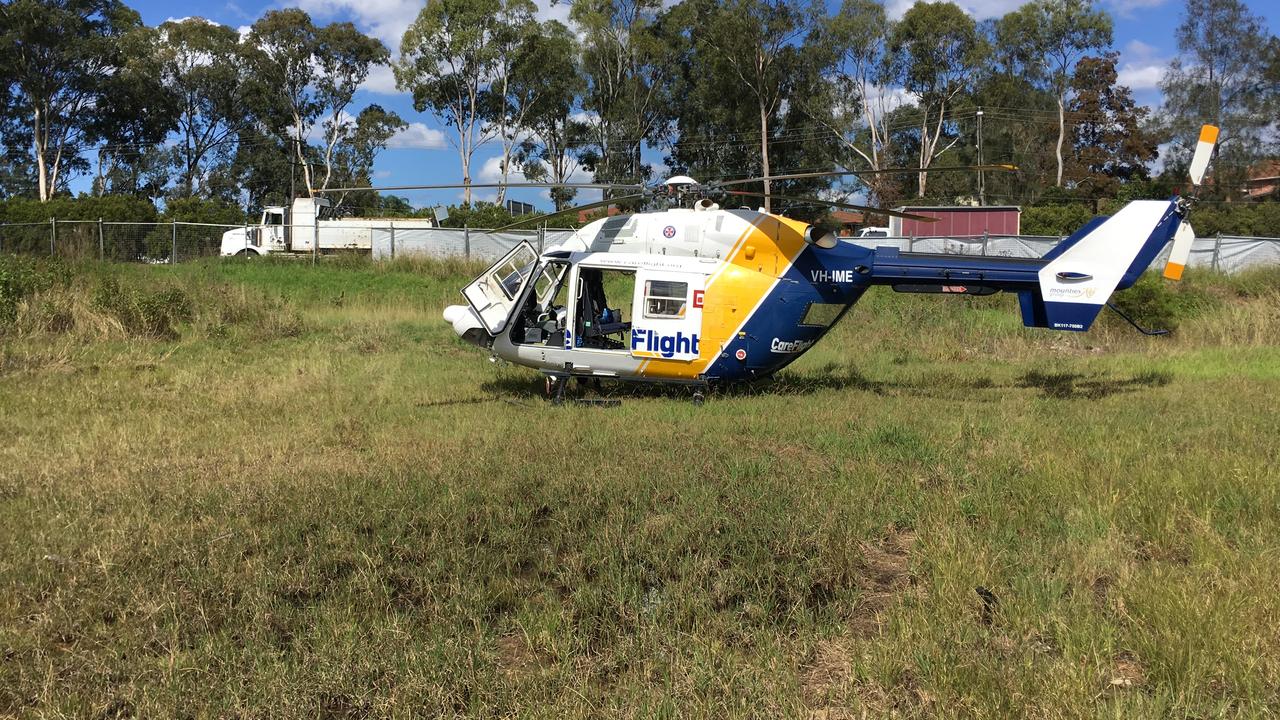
(773, 336)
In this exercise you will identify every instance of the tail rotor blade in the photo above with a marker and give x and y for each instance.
(1180, 252)
(1204, 153)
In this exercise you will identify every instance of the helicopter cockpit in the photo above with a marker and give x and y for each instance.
(600, 299)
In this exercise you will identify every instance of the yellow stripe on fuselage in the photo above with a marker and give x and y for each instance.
(734, 292)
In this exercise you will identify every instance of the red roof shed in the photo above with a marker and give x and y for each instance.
(959, 221)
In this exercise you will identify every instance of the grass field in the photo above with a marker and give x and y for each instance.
(271, 489)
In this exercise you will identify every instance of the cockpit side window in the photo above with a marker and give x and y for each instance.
(543, 319)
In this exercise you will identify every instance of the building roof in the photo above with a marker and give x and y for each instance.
(847, 217)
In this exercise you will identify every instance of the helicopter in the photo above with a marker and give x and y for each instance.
(704, 295)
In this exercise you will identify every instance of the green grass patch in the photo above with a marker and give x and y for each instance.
(308, 498)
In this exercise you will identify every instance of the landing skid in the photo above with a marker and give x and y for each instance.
(555, 385)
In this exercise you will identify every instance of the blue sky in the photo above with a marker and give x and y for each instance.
(1143, 35)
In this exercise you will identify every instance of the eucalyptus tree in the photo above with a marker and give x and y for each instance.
(352, 158)
(307, 77)
(549, 152)
(343, 57)
(856, 101)
(283, 43)
(1227, 74)
(626, 63)
(937, 54)
(59, 56)
(1046, 38)
(517, 83)
(449, 59)
(756, 43)
(131, 128)
(205, 76)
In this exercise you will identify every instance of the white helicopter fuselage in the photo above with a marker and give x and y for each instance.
(709, 295)
(662, 296)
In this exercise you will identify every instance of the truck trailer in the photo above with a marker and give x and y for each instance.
(308, 226)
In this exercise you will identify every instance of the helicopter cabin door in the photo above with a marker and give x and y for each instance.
(667, 317)
(493, 295)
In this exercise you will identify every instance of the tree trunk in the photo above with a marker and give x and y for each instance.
(1062, 131)
(465, 163)
(764, 153)
(924, 153)
(38, 148)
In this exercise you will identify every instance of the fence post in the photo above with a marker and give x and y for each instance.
(393, 241)
(1217, 249)
(466, 241)
(542, 237)
(53, 235)
(173, 249)
(911, 243)
(315, 234)
(102, 244)
(985, 236)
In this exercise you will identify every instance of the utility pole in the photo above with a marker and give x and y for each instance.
(982, 177)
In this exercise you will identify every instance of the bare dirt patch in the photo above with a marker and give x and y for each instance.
(828, 675)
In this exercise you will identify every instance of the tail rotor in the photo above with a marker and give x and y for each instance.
(1185, 235)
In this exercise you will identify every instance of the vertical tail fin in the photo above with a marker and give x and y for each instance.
(1103, 257)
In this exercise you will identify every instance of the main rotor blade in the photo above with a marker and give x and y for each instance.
(575, 208)
(833, 203)
(886, 171)
(389, 188)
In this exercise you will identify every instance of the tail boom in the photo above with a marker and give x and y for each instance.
(1065, 289)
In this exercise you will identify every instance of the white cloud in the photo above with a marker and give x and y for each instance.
(1142, 66)
(553, 10)
(381, 81)
(1141, 77)
(388, 19)
(1138, 51)
(491, 171)
(191, 18)
(985, 9)
(384, 19)
(420, 137)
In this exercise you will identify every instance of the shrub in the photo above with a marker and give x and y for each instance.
(200, 210)
(1061, 220)
(112, 208)
(1156, 304)
(151, 314)
(21, 277)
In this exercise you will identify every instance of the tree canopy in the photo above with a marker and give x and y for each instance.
(191, 109)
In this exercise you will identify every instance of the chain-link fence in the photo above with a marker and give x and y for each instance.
(119, 241)
(178, 241)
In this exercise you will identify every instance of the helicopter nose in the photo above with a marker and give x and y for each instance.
(454, 312)
(467, 324)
